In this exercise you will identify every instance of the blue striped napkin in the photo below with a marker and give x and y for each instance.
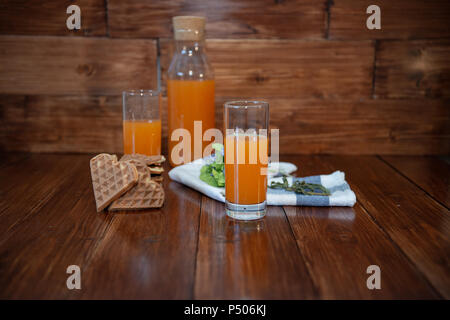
(341, 194)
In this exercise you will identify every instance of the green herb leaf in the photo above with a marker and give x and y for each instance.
(301, 187)
(213, 174)
(218, 154)
(207, 176)
(218, 166)
(219, 176)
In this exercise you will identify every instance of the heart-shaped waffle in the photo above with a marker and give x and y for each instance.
(146, 194)
(111, 178)
(148, 160)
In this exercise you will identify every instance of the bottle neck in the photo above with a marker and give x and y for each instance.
(189, 47)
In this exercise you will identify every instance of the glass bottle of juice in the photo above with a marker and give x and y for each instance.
(190, 90)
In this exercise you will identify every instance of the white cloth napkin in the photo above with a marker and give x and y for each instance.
(341, 194)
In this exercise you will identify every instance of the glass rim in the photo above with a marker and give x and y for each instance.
(141, 92)
(245, 104)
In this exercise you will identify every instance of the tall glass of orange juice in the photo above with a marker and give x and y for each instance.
(141, 122)
(246, 158)
(190, 91)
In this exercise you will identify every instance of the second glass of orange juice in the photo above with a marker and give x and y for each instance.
(141, 122)
(246, 158)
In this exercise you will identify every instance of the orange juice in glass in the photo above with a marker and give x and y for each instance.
(246, 158)
(141, 122)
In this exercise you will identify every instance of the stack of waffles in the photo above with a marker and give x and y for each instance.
(132, 183)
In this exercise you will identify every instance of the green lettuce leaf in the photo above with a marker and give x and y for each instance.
(219, 177)
(207, 175)
(213, 174)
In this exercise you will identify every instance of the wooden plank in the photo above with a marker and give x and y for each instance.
(429, 173)
(400, 19)
(298, 19)
(61, 123)
(281, 68)
(71, 124)
(418, 225)
(128, 255)
(28, 185)
(10, 158)
(148, 254)
(61, 65)
(312, 126)
(61, 233)
(248, 260)
(339, 244)
(35, 17)
(413, 69)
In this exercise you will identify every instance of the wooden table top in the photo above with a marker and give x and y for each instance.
(189, 249)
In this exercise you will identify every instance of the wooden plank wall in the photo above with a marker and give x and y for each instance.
(333, 85)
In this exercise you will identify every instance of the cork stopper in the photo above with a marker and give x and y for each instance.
(190, 28)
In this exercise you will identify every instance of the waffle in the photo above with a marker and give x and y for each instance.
(156, 170)
(146, 194)
(157, 178)
(154, 163)
(148, 160)
(111, 179)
